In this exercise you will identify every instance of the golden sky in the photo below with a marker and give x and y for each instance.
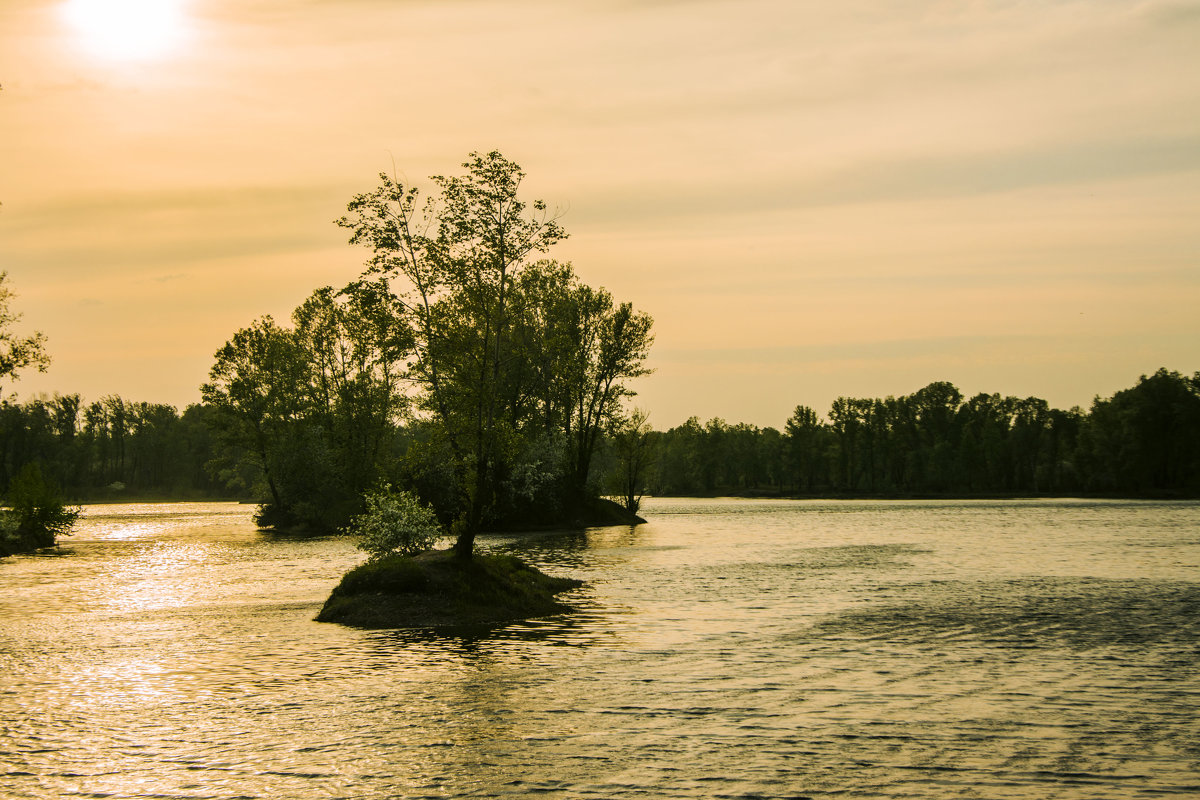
(812, 199)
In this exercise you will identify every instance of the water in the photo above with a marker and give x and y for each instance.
(726, 649)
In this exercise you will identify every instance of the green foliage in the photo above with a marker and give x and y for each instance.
(10, 538)
(508, 352)
(109, 449)
(1146, 437)
(459, 256)
(1143, 441)
(17, 352)
(35, 516)
(425, 465)
(633, 443)
(307, 414)
(804, 434)
(394, 523)
(507, 369)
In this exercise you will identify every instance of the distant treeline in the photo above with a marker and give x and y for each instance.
(1143, 441)
(111, 449)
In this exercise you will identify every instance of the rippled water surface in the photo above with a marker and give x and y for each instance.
(726, 649)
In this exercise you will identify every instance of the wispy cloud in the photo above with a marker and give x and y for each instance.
(131, 230)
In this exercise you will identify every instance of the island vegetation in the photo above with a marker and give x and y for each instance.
(504, 368)
(405, 582)
(463, 365)
(33, 515)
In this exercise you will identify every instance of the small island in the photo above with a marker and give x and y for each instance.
(406, 584)
(437, 588)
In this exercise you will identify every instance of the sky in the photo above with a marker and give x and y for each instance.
(811, 199)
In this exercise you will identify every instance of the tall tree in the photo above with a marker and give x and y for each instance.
(573, 350)
(805, 447)
(495, 355)
(256, 387)
(459, 255)
(313, 408)
(633, 443)
(354, 343)
(1147, 437)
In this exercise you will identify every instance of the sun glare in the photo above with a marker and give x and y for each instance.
(127, 30)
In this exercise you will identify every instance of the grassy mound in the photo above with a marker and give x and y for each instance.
(437, 589)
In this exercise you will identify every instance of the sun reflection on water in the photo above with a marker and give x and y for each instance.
(137, 682)
(164, 575)
(133, 521)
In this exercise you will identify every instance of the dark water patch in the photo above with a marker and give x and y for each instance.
(1034, 613)
(875, 556)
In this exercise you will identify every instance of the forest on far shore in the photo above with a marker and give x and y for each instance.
(1143, 441)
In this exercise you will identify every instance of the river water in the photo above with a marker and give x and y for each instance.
(728, 648)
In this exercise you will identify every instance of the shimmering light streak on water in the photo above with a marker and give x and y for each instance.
(727, 649)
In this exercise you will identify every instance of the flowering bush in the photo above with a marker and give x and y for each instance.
(394, 522)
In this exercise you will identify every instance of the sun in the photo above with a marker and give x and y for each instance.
(127, 30)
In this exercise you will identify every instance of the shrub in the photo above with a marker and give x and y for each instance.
(36, 516)
(394, 522)
(10, 539)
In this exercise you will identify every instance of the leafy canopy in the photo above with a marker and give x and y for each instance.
(394, 522)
